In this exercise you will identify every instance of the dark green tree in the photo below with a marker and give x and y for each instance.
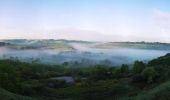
(149, 74)
(100, 72)
(124, 68)
(138, 67)
(9, 78)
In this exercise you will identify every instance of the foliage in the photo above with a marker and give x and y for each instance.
(138, 67)
(98, 82)
(124, 68)
(149, 74)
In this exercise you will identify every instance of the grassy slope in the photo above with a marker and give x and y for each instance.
(5, 95)
(152, 46)
(37, 44)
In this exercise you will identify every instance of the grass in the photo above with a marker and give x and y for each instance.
(5, 95)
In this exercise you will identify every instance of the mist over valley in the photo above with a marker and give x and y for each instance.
(83, 53)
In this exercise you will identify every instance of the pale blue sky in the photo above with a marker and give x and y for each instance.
(98, 20)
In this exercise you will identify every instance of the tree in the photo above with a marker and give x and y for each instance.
(124, 68)
(149, 74)
(9, 78)
(138, 67)
(100, 72)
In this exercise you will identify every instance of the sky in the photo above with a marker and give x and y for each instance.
(90, 20)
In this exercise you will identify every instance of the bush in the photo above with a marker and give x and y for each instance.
(149, 74)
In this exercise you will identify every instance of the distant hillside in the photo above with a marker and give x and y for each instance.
(4, 44)
(65, 45)
(137, 45)
(38, 44)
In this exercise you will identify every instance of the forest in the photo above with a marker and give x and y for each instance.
(34, 81)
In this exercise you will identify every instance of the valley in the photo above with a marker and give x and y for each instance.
(81, 52)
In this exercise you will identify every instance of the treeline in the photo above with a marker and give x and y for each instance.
(99, 82)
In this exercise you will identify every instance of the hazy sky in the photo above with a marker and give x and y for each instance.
(98, 20)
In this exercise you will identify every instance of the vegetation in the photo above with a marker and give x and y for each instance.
(5, 95)
(32, 81)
